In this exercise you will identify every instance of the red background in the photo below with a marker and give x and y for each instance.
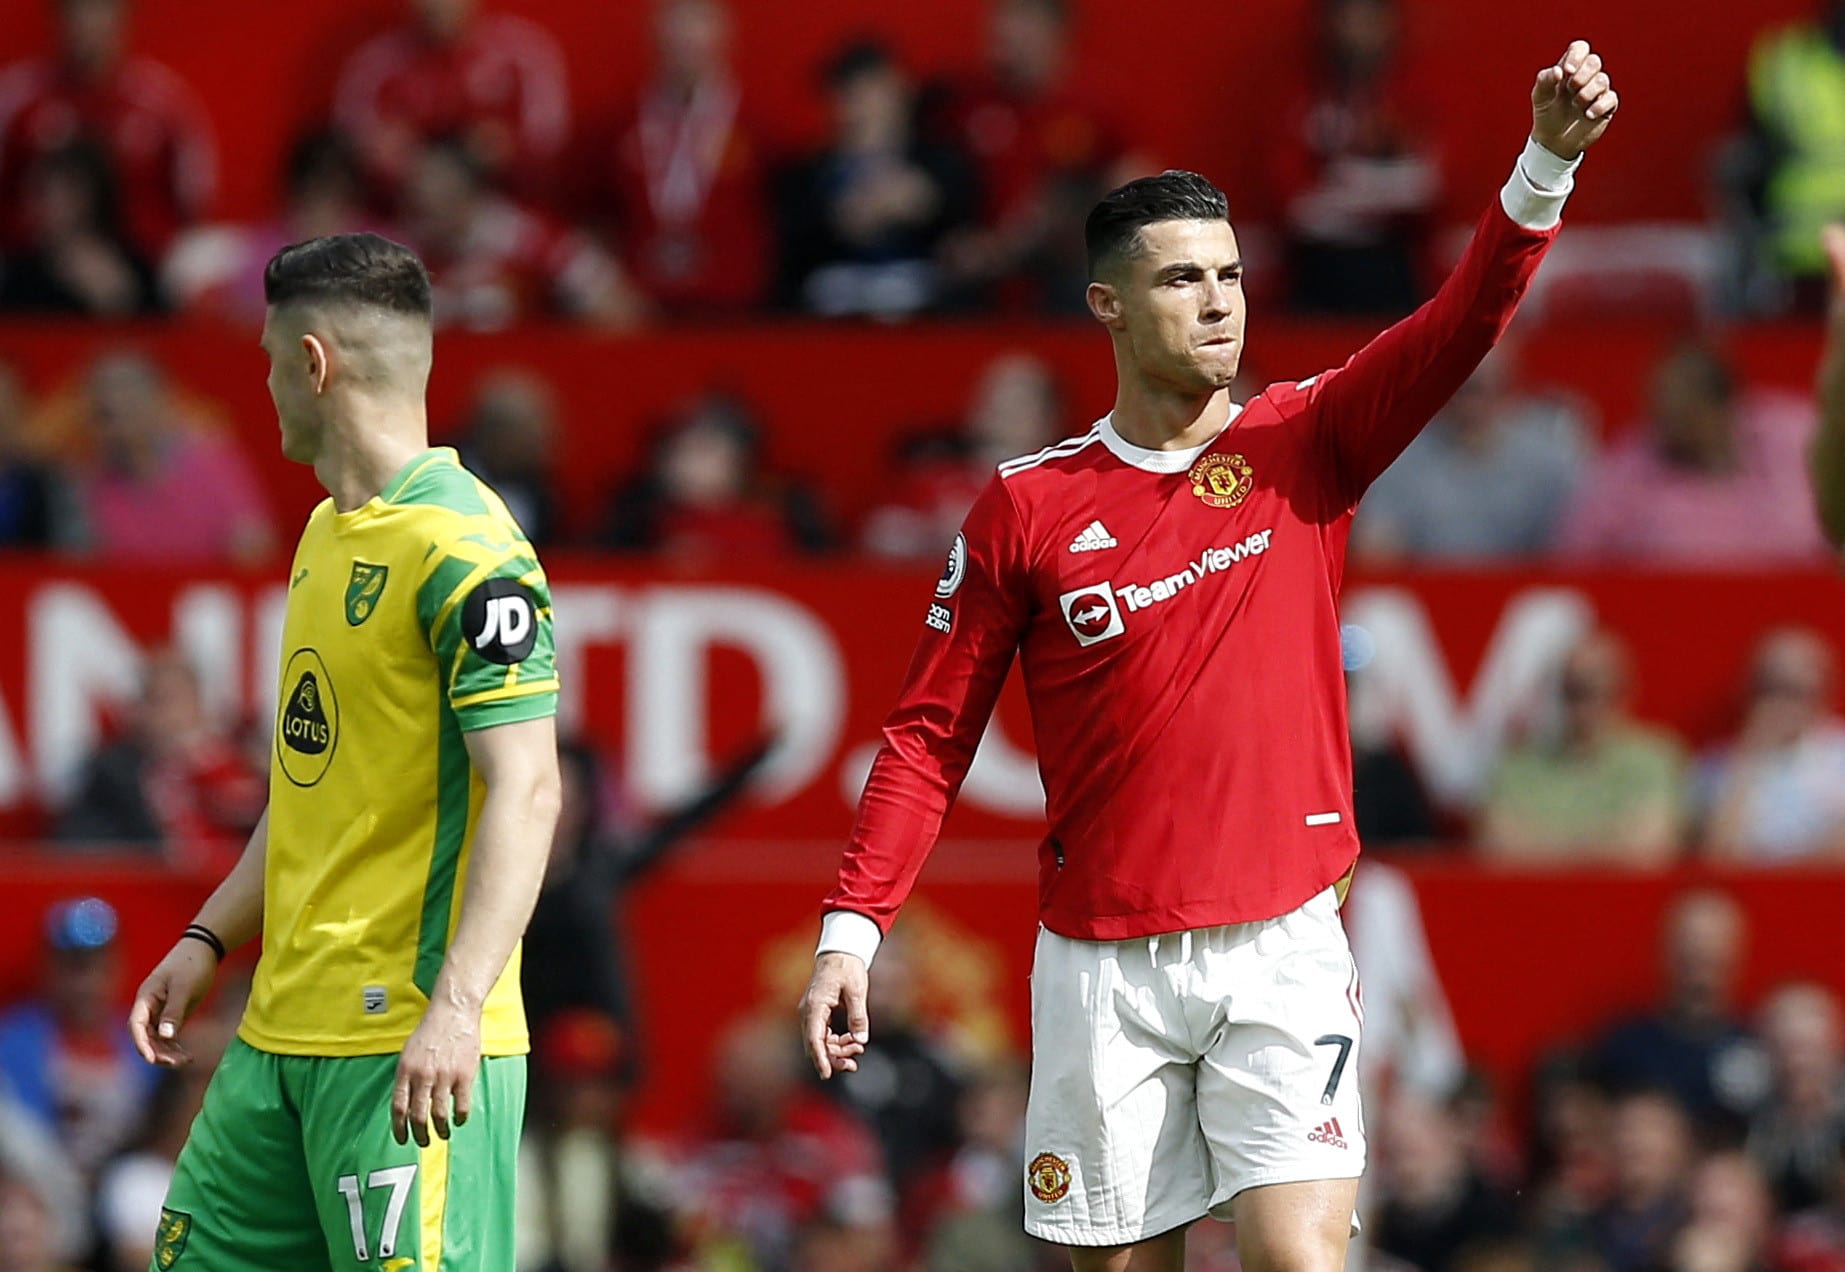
(1198, 80)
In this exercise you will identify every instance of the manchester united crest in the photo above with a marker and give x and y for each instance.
(170, 1237)
(1223, 481)
(1050, 1178)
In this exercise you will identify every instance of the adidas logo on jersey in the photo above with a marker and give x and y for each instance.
(1094, 538)
(1328, 1133)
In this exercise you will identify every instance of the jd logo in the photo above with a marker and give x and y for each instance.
(363, 590)
(500, 620)
(308, 724)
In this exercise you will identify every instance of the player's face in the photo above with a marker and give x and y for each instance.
(1180, 304)
(292, 378)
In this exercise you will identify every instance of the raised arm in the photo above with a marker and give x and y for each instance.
(972, 630)
(1372, 407)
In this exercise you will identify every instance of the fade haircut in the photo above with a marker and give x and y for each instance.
(1112, 232)
(349, 269)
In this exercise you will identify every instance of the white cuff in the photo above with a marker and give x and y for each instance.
(1540, 183)
(848, 932)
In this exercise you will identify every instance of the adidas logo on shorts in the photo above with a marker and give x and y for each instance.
(1094, 538)
(1328, 1133)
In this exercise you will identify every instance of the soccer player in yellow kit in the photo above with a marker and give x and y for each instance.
(412, 796)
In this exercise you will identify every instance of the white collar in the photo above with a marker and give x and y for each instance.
(1156, 461)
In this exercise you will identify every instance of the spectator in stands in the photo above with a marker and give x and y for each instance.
(72, 258)
(680, 184)
(146, 120)
(173, 781)
(28, 1224)
(576, 954)
(569, 1159)
(1592, 783)
(1435, 1202)
(65, 1058)
(140, 497)
(1730, 1221)
(1814, 1240)
(1716, 477)
(1692, 1044)
(34, 497)
(862, 221)
(1798, 1136)
(1017, 408)
(1787, 174)
(509, 440)
(1390, 807)
(1651, 1154)
(493, 262)
(1776, 793)
(1357, 167)
(493, 82)
(1045, 146)
(1485, 482)
(706, 495)
(131, 1189)
(908, 1093)
(776, 1156)
(973, 1211)
(1570, 1171)
(218, 269)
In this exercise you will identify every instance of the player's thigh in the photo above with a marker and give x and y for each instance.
(1114, 1153)
(1278, 1087)
(1299, 1227)
(390, 1207)
(1164, 1253)
(240, 1197)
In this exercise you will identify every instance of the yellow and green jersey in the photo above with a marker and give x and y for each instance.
(411, 620)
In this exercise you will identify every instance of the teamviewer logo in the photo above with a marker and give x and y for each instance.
(1092, 614)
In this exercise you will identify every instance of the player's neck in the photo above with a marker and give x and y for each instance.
(1155, 417)
(361, 457)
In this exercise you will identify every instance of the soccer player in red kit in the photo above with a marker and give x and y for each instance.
(1169, 581)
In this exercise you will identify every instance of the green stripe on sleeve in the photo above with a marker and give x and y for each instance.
(454, 777)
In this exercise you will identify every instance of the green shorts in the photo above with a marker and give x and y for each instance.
(291, 1164)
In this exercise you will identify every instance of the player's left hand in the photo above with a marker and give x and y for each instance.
(1572, 102)
(437, 1067)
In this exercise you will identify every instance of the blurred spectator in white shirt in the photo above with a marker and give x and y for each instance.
(1486, 481)
(1777, 791)
(1798, 1136)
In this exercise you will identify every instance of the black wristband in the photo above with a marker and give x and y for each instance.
(199, 932)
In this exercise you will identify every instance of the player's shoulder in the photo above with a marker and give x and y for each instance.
(438, 483)
(1028, 472)
(1286, 397)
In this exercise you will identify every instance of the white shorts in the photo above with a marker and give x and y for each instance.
(1170, 1073)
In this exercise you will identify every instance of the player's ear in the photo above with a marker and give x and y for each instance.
(1104, 303)
(318, 368)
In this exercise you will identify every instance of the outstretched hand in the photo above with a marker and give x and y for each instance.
(839, 982)
(166, 998)
(1572, 102)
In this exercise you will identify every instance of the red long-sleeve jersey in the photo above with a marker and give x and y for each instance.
(1176, 617)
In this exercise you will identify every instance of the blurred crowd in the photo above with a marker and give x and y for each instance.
(455, 129)
(1711, 474)
(1692, 1133)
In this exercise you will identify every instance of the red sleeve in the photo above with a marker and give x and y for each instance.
(1368, 410)
(972, 630)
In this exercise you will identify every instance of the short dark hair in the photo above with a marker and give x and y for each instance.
(355, 269)
(1114, 224)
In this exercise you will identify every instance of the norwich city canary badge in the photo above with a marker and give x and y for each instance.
(170, 1237)
(1223, 481)
(363, 590)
